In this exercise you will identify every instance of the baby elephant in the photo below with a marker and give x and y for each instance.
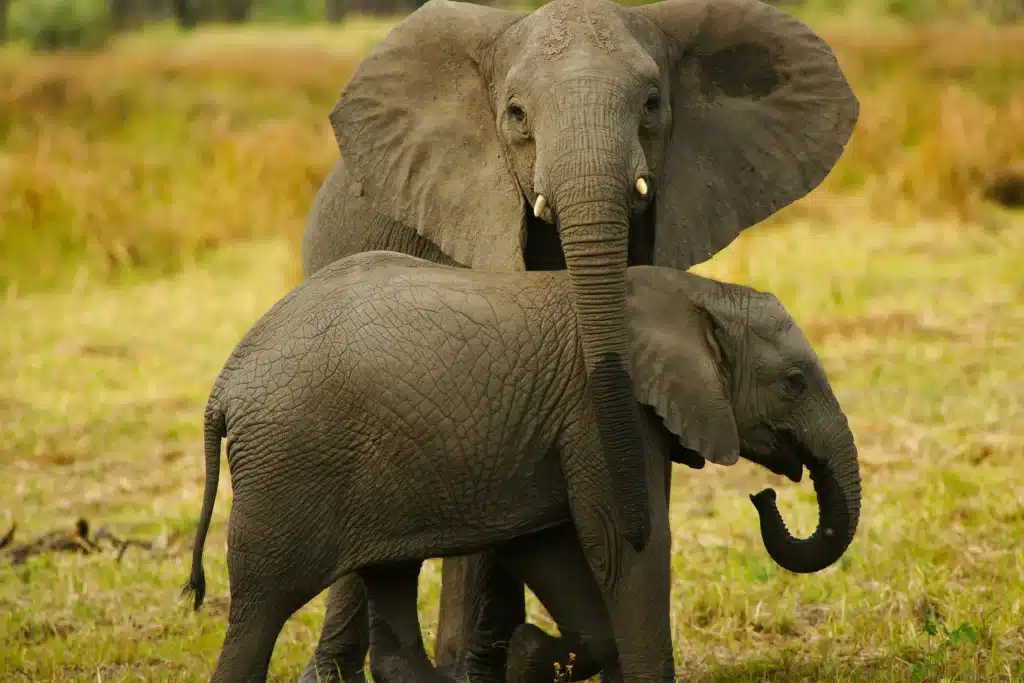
(389, 409)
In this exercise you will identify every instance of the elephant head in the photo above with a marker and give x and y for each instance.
(730, 374)
(611, 135)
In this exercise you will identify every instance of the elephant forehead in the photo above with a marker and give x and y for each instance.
(565, 24)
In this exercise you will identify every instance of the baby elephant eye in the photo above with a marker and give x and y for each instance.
(516, 113)
(796, 382)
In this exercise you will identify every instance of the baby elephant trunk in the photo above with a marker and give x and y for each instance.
(836, 480)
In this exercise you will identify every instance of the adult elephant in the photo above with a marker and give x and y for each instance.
(587, 136)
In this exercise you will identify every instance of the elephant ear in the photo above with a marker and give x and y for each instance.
(415, 128)
(678, 363)
(761, 112)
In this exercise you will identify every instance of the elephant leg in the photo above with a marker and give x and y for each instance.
(260, 606)
(344, 639)
(553, 565)
(397, 654)
(481, 605)
(635, 585)
(639, 604)
(248, 644)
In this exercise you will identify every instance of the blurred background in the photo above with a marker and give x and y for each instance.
(131, 142)
(138, 133)
(157, 160)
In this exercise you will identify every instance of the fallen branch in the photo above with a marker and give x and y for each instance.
(78, 541)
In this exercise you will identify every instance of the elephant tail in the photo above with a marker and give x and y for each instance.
(214, 429)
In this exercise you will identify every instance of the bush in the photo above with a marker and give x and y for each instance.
(297, 11)
(52, 25)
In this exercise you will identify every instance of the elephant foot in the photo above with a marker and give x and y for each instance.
(482, 665)
(536, 657)
(398, 668)
(480, 676)
(332, 671)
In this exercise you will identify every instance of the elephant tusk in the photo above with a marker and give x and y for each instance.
(641, 187)
(539, 205)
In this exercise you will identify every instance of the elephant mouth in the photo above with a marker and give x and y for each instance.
(684, 456)
(787, 459)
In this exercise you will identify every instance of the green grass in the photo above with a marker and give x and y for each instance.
(919, 326)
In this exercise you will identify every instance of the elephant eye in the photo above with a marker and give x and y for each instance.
(516, 113)
(652, 103)
(796, 383)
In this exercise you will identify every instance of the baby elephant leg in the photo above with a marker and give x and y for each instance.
(255, 619)
(397, 654)
(345, 637)
(554, 567)
(268, 584)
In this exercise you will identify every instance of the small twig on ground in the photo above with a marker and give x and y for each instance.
(9, 536)
(76, 542)
(121, 543)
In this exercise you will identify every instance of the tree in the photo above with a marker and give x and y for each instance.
(124, 15)
(236, 11)
(184, 14)
(335, 10)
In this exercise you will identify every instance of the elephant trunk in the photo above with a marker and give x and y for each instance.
(587, 158)
(595, 256)
(836, 480)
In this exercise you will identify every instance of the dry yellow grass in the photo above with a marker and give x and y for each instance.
(161, 148)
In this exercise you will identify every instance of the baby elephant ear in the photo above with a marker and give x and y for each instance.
(677, 365)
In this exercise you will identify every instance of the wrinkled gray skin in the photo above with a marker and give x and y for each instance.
(464, 115)
(552, 563)
(382, 364)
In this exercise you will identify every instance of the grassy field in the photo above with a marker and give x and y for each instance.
(154, 196)
(150, 155)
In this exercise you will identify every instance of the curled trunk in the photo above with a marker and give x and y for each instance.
(836, 478)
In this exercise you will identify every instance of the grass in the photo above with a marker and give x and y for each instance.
(147, 156)
(101, 393)
(150, 155)
(155, 195)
